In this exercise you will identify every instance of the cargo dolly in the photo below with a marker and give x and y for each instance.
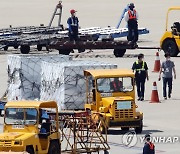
(65, 47)
(42, 36)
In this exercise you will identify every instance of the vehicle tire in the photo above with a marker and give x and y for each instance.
(170, 46)
(25, 49)
(5, 48)
(81, 50)
(139, 129)
(119, 52)
(125, 128)
(54, 148)
(106, 152)
(30, 149)
(16, 46)
(64, 51)
(39, 47)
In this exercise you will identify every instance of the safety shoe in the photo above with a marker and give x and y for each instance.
(139, 98)
(169, 95)
(142, 98)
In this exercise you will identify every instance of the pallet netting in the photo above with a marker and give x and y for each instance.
(24, 74)
(65, 82)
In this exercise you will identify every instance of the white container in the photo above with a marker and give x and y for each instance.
(24, 74)
(65, 82)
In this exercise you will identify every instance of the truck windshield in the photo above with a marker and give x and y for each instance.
(21, 116)
(116, 84)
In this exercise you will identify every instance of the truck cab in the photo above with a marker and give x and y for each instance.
(28, 127)
(111, 93)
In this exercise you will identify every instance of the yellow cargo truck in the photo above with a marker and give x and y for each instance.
(170, 41)
(28, 127)
(111, 93)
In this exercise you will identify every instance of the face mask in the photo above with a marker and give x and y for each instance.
(168, 59)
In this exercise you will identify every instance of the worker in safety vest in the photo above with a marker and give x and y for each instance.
(131, 17)
(73, 25)
(116, 85)
(141, 74)
(149, 147)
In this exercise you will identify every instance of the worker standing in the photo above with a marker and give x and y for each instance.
(131, 17)
(141, 74)
(167, 67)
(73, 25)
(149, 147)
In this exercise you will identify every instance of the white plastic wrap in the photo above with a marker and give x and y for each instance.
(24, 74)
(65, 82)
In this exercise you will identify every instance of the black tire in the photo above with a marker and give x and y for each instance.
(16, 46)
(64, 51)
(30, 149)
(47, 48)
(54, 148)
(125, 128)
(25, 49)
(106, 152)
(5, 48)
(81, 50)
(139, 129)
(170, 46)
(39, 47)
(119, 52)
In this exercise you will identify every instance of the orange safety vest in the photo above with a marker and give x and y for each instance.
(151, 145)
(132, 16)
(114, 85)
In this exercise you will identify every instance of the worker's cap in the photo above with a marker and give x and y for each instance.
(140, 56)
(131, 5)
(167, 54)
(147, 137)
(72, 11)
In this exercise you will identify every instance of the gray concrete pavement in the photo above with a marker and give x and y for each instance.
(162, 119)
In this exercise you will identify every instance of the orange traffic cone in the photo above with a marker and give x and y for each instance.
(154, 95)
(157, 64)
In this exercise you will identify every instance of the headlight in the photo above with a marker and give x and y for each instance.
(18, 142)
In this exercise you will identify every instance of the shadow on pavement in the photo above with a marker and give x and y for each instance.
(121, 132)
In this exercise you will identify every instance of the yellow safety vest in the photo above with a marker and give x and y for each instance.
(140, 69)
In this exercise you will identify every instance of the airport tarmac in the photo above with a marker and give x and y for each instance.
(161, 120)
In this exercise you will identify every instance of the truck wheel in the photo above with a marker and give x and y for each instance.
(25, 49)
(119, 52)
(30, 149)
(81, 50)
(64, 51)
(5, 48)
(125, 128)
(16, 46)
(54, 148)
(39, 47)
(139, 129)
(170, 46)
(106, 152)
